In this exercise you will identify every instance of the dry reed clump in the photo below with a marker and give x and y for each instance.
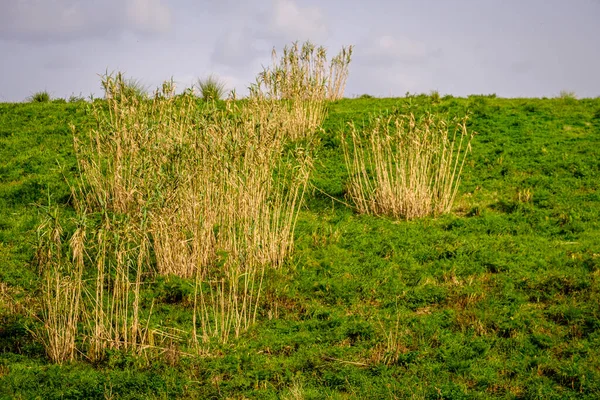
(303, 80)
(113, 317)
(406, 167)
(167, 188)
(212, 194)
(61, 288)
(257, 192)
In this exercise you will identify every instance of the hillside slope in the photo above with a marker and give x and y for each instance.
(500, 299)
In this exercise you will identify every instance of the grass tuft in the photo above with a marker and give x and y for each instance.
(40, 97)
(567, 95)
(211, 88)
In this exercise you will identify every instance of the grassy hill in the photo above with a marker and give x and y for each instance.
(499, 299)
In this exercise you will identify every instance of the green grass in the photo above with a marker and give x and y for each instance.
(499, 299)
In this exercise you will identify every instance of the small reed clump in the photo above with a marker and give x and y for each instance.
(406, 167)
(61, 287)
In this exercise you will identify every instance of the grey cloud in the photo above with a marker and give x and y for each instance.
(69, 20)
(148, 16)
(259, 31)
(235, 48)
(521, 67)
(391, 65)
(291, 22)
(61, 62)
(392, 50)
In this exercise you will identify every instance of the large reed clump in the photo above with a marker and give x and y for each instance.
(406, 167)
(255, 232)
(304, 81)
(232, 214)
(168, 188)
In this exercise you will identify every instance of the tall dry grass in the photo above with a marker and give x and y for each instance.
(113, 315)
(406, 167)
(170, 187)
(338, 73)
(210, 195)
(304, 81)
(61, 287)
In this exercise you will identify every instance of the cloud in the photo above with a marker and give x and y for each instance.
(295, 23)
(386, 50)
(251, 41)
(37, 18)
(235, 48)
(383, 82)
(69, 20)
(391, 65)
(149, 16)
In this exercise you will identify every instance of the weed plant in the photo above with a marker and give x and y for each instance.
(127, 88)
(567, 95)
(435, 96)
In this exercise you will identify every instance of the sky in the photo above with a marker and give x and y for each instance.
(513, 48)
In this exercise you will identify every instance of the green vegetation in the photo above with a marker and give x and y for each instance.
(435, 96)
(73, 98)
(211, 88)
(567, 95)
(497, 299)
(39, 97)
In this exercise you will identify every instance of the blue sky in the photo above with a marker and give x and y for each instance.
(514, 48)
